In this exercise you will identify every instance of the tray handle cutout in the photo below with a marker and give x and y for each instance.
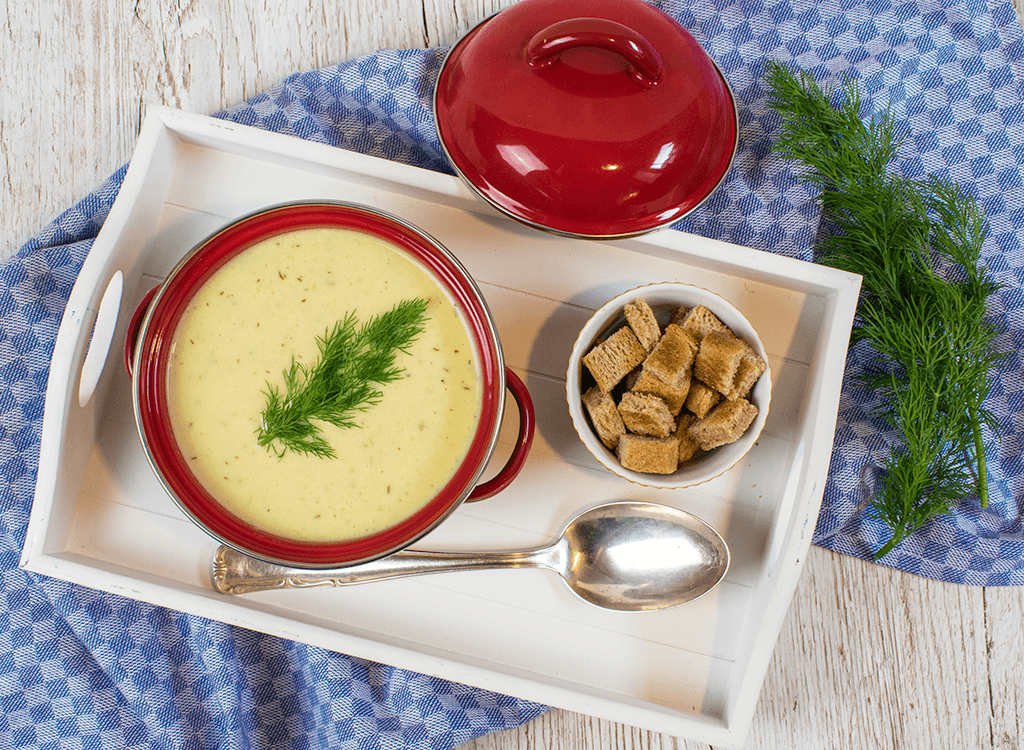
(101, 338)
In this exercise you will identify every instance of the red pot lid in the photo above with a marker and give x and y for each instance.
(602, 118)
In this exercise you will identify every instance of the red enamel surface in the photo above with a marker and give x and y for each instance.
(527, 427)
(584, 141)
(155, 339)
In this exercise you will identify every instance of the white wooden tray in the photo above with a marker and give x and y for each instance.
(101, 519)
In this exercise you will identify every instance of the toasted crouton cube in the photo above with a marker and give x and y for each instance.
(700, 321)
(641, 319)
(718, 359)
(700, 398)
(688, 445)
(612, 359)
(724, 424)
(672, 357)
(649, 455)
(641, 381)
(604, 416)
(751, 367)
(644, 414)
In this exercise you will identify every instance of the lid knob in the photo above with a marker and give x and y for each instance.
(546, 45)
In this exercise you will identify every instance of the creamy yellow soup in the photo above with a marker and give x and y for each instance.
(240, 332)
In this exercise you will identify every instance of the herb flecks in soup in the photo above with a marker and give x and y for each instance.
(342, 382)
(241, 331)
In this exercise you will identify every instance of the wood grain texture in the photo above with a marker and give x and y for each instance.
(867, 657)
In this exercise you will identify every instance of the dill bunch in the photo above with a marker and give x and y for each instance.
(353, 361)
(917, 245)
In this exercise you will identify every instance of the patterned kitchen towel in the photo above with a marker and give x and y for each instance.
(80, 668)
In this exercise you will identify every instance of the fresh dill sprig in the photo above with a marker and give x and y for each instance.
(353, 360)
(917, 245)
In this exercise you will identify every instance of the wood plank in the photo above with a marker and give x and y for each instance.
(1004, 661)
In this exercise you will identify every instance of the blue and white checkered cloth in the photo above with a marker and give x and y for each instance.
(83, 669)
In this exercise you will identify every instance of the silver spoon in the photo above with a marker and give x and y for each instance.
(626, 556)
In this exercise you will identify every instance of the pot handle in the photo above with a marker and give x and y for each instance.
(514, 465)
(547, 44)
(132, 336)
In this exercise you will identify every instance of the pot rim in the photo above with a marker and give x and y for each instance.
(205, 511)
(554, 230)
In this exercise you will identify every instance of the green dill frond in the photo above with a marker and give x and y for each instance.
(353, 361)
(917, 246)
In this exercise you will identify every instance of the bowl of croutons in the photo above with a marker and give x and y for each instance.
(668, 385)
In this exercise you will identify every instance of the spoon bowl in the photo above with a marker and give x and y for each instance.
(625, 556)
(641, 556)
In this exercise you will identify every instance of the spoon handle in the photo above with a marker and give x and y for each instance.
(233, 572)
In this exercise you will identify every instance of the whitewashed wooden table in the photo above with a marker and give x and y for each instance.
(867, 658)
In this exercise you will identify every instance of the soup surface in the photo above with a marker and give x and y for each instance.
(240, 332)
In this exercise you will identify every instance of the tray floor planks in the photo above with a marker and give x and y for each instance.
(101, 519)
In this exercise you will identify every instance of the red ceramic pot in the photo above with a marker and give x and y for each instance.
(589, 118)
(148, 350)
